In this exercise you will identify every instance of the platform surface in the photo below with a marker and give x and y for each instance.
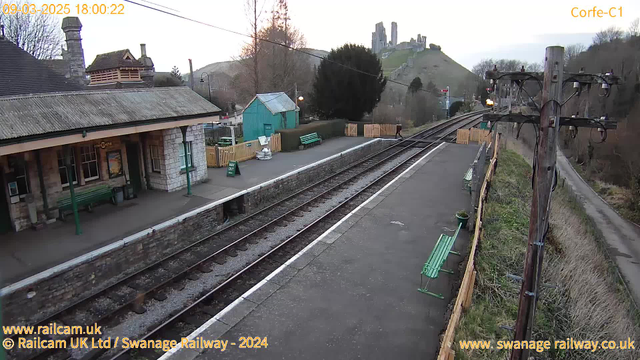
(353, 294)
(28, 252)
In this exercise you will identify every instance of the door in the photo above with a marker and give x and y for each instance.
(268, 130)
(5, 219)
(133, 159)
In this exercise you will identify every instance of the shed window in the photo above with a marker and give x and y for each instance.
(189, 155)
(64, 179)
(156, 159)
(90, 169)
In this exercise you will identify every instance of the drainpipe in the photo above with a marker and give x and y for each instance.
(74, 205)
(43, 189)
(186, 158)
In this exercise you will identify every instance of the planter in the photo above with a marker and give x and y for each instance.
(462, 220)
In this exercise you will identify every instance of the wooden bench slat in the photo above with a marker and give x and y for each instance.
(437, 258)
(86, 197)
(309, 138)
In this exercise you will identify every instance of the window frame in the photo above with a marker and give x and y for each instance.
(154, 155)
(92, 150)
(60, 153)
(181, 156)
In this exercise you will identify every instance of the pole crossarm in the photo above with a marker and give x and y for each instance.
(582, 78)
(564, 120)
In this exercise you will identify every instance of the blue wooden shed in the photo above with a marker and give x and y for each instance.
(267, 113)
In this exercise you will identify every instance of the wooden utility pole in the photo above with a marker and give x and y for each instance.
(544, 177)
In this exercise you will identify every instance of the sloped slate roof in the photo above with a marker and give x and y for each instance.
(21, 73)
(32, 115)
(113, 60)
(277, 102)
(60, 66)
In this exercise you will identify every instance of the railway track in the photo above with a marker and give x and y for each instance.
(111, 306)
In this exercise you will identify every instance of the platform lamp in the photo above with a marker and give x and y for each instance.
(186, 157)
(208, 83)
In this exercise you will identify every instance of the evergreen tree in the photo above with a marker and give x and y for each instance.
(348, 93)
(416, 85)
(175, 72)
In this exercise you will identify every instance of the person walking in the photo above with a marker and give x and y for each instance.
(398, 129)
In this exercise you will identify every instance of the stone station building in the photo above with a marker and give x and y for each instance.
(130, 137)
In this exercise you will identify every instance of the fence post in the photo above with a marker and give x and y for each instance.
(217, 155)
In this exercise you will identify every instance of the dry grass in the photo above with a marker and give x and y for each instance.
(588, 301)
(597, 304)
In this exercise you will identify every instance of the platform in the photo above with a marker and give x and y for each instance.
(352, 293)
(29, 252)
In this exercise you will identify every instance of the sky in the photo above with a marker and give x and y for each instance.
(467, 30)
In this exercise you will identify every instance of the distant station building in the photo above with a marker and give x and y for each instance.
(267, 113)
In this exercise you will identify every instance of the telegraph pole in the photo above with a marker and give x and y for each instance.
(544, 177)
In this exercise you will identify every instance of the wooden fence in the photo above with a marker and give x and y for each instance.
(465, 136)
(220, 156)
(377, 130)
(351, 130)
(465, 294)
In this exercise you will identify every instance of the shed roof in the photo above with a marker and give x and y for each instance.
(21, 73)
(114, 60)
(276, 102)
(33, 115)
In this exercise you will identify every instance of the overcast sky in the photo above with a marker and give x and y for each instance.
(467, 30)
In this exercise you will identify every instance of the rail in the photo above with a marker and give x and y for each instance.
(176, 318)
(449, 128)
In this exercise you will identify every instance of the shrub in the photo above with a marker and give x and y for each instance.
(325, 129)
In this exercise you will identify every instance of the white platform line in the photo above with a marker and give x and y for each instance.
(229, 307)
(143, 233)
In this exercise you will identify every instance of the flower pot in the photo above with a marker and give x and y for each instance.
(462, 220)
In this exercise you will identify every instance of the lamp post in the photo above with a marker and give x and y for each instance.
(208, 83)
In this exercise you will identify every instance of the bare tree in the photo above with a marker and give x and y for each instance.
(533, 67)
(249, 56)
(572, 51)
(634, 28)
(482, 67)
(38, 34)
(609, 34)
(280, 67)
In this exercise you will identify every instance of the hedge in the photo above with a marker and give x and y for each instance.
(326, 129)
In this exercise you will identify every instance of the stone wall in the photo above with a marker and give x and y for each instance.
(176, 178)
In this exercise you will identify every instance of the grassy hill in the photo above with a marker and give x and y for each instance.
(431, 65)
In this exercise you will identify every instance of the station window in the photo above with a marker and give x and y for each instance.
(189, 155)
(21, 178)
(89, 157)
(64, 179)
(156, 158)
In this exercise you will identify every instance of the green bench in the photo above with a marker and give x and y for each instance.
(467, 179)
(310, 139)
(85, 198)
(433, 266)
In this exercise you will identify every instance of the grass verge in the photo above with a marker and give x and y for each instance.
(586, 302)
